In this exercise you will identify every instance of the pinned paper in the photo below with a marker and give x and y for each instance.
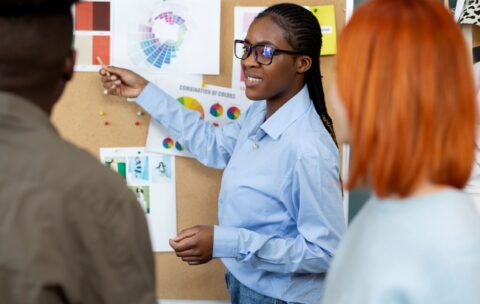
(216, 105)
(92, 36)
(167, 36)
(326, 17)
(151, 177)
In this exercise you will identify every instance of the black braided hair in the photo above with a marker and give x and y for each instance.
(303, 33)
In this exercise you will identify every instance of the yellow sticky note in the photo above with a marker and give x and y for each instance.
(326, 17)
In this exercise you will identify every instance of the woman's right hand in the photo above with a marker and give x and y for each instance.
(122, 82)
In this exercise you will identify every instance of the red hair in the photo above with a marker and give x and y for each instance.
(405, 77)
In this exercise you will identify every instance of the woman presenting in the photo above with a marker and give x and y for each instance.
(280, 203)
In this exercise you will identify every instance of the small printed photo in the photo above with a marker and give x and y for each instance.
(161, 167)
(117, 164)
(137, 170)
(143, 197)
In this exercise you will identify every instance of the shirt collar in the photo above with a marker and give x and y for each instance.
(287, 114)
(17, 108)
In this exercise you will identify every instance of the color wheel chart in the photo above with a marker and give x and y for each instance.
(160, 39)
(167, 36)
(92, 34)
(234, 113)
(216, 110)
(192, 104)
(216, 105)
(168, 143)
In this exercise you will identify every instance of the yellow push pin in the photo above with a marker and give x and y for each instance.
(101, 113)
(203, 85)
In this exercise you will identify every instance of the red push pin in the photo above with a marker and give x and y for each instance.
(106, 123)
(137, 123)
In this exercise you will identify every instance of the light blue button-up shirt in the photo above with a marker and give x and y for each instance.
(280, 203)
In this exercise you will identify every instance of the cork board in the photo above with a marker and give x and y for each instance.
(77, 118)
(476, 36)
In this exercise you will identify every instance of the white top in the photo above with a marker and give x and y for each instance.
(420, 250)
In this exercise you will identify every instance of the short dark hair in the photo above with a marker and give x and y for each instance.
(35, 7)
(35, 34)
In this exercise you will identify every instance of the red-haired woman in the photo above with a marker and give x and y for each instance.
(406, 91)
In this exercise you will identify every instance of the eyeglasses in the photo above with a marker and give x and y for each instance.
(262, 53)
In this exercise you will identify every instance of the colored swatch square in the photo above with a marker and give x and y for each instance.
(84, 16)
(92, 16)
(89, 47)
(101, 48)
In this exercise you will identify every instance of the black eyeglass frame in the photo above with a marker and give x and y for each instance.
(255, 54)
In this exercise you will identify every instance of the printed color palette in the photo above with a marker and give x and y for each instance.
(160, 52)
(92, 16)
(89, 47)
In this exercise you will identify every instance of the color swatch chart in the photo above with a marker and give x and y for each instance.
(158, 50)
(216, 105)
(156, 37)
(92, 34)
(90, 16)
